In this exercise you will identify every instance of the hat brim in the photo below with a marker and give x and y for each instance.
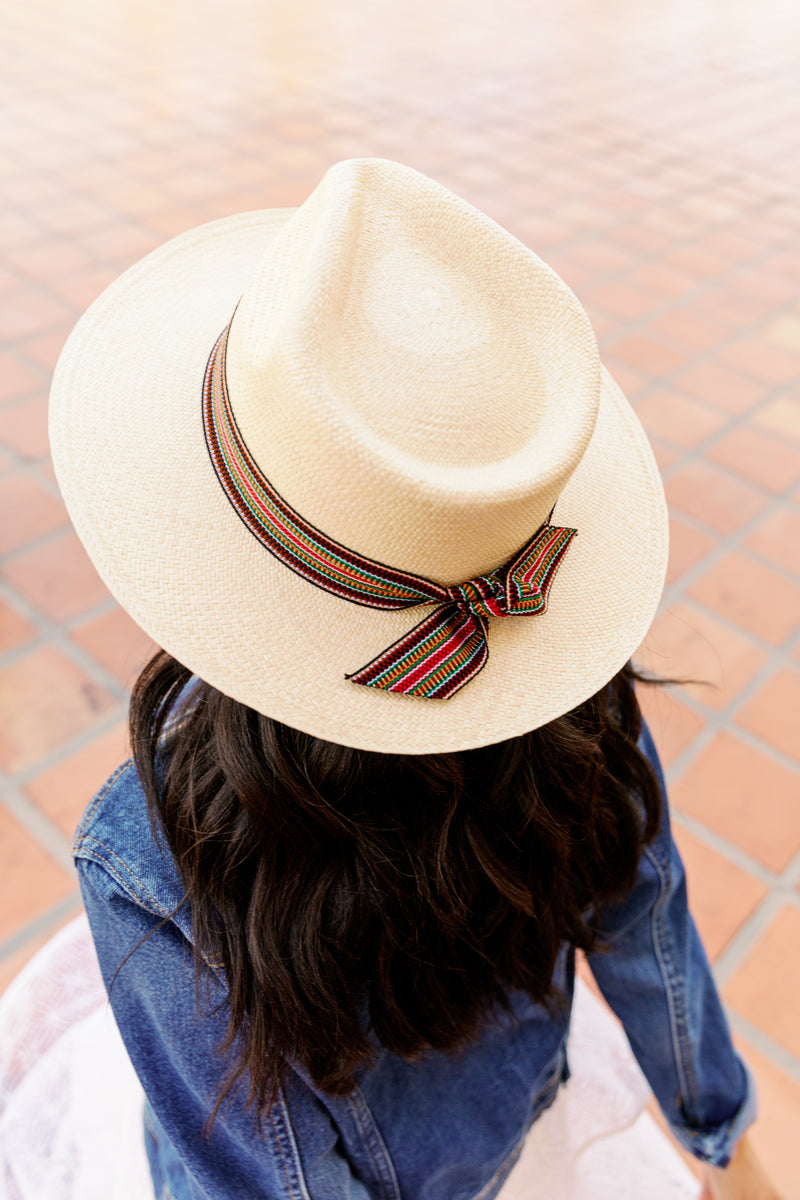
(130, 457)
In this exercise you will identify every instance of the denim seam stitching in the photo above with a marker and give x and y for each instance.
(213, 964)
(300, 1176)
(376, 1147)
(675, 1005)
(553, 1076)
(79, 832)
(278, 1123)
(515, 1153)
(160, 910)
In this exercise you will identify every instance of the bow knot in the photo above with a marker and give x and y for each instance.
(484, 596)
(447, 649)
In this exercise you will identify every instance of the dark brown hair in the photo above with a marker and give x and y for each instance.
(351, 895)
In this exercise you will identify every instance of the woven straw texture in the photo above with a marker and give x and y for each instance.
(417, 384)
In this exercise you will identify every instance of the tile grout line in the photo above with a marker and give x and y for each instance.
(772, 880)
(749, 933)
(43, 924)
(772, 1050)
(74, 745)
(721, 720)
(42, 830)
(56, 633)
(41, 637)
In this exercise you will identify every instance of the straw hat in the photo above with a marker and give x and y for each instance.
(409, 385)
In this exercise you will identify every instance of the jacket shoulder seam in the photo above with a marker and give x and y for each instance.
(100, 858)
(80, 832)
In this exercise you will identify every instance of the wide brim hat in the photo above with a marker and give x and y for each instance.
(420, 388)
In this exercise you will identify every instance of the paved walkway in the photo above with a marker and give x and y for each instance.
(652, 157)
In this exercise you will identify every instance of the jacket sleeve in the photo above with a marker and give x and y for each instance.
(172, 1034)
(657, 979)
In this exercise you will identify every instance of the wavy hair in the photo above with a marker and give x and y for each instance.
(351, 896)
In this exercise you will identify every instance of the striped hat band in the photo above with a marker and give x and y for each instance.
(446, 649)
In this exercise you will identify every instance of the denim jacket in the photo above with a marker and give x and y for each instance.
(447, 1127)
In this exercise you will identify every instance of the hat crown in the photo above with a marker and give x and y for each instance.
(412, 379)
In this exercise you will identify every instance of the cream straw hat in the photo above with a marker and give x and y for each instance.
(410, 383)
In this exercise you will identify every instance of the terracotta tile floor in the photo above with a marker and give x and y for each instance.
(649, 152)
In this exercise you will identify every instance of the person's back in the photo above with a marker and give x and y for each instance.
(342, 957)
(380, 942)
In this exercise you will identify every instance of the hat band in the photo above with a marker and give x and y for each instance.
(446, 649)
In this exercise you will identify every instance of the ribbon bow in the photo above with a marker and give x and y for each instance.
(448, 648)
(444, 650)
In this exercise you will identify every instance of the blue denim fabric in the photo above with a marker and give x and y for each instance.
(443, 1128)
